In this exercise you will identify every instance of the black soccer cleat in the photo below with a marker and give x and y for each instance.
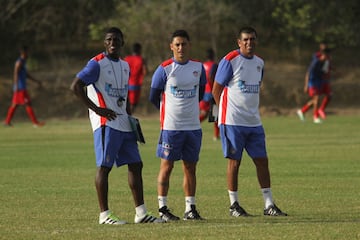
(273, 210)
(166, 215)
(193, 214)
(237, 211)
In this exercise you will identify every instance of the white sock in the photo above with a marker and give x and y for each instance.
(188, 202)
(140, 210)
(162, 201)
(234, 197)
(268, 199)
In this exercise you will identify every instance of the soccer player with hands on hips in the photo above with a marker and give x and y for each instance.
(106, 79)
(177, 87)
(236, 91)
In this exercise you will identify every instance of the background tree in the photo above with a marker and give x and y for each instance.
(63, 35)
(302, 22)
(60, 27)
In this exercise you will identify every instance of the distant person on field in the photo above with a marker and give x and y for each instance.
(325, 88)
(177, 86)
(207, 102)
(236, 91)
(315, 82)
(106, 78)
(138, 71)
(21, 96)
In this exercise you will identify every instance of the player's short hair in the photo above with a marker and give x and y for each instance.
(24, 48)
(137, 48)
(116, 31)
(247, 29)
(180, 33)
(210, 54)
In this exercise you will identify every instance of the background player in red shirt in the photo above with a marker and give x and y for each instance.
(207, 102)
(138, 71)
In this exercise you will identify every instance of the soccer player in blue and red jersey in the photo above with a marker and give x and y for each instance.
(236, 91)
(314, 83)
(206, 103)
(325, 88)
(177, 87)
(21, 96)
(106, 79)
(138, 71)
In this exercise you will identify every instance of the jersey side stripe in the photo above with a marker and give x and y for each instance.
(224, 106)
(102, 105)
(162, 112)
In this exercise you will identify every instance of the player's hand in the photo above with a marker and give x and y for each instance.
(107, 113)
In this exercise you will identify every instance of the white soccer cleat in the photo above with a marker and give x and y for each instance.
(111, 219)
(301, 115)
(317, 120)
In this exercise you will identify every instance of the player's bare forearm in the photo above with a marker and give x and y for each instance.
(216, 92)
(78, 87)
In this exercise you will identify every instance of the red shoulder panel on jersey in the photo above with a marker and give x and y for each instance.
(232, 55)
(99, 57)
(167, 62)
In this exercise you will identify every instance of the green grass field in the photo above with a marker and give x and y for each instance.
(47, 184)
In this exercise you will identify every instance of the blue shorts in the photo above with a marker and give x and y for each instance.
(235, 139)
(115, 147)
(179, 145)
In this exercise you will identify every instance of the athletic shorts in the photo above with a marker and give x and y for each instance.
(115, 147)
(179, 145)
(21, 97)
(235, 139)
(313, 91)
(134, 96)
